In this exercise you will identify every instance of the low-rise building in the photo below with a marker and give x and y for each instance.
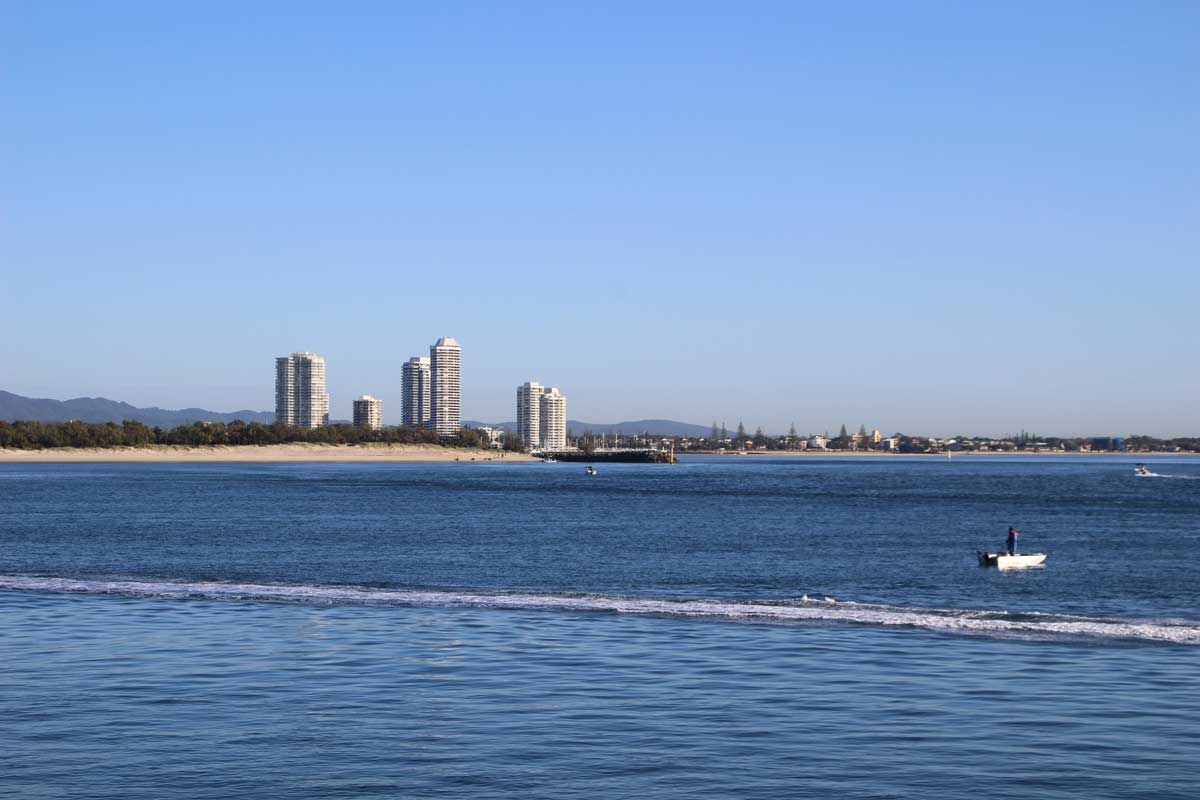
(495, 436)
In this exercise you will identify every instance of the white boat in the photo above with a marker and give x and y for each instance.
(1141, 471)
(1006, 561)
(549, 460)
(590, 470)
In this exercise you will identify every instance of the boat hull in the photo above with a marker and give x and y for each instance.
(1015, 561)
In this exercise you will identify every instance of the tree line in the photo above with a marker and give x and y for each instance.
(27, 435)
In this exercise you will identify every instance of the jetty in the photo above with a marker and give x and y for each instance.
(646, 455)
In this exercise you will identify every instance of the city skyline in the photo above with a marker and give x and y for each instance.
(629, 425)
(843, 230)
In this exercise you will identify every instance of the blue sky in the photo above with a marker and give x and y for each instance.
(925, 217)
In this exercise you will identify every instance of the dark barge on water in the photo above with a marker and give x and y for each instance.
(623, 456)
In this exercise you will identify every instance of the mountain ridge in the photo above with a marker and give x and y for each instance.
(660, 427)
(100, 409)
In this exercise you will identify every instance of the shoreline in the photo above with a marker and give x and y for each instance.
(956, 454)
(393, 453)
(433, 454)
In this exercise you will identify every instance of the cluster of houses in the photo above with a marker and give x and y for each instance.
(875, 441)
(899, 443)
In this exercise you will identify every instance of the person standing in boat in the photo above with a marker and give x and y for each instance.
(1013, 533)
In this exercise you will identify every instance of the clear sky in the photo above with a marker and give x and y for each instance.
(926, 217)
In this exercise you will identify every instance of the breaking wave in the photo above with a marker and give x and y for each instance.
(804, 609)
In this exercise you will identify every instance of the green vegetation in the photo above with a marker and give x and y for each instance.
(904, 444)
(43, 435)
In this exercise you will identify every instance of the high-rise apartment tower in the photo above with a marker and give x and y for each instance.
(553, 419)
(529, 413)
(541, 416)
(368, 413)
(415, 400)
(445, 387)
(300, 397)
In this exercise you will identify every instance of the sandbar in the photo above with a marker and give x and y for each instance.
(264, 453)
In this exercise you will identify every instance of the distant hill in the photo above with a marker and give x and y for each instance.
(99, 409)
(659, 427)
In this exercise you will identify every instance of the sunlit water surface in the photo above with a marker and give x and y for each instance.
(720, 628)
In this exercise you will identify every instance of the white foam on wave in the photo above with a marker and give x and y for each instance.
(805, 609)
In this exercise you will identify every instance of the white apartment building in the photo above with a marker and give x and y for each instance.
(445, 387)
(553, 419)
(368, 412)
(495, 436)
(529, 413)
(415, 398)
(300, 397)
(541, 416)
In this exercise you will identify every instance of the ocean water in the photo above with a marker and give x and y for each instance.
(723, 627)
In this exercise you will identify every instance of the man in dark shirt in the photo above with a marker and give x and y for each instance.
(1013, 533)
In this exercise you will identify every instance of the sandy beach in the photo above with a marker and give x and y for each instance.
(265, 453)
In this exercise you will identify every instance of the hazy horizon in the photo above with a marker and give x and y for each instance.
(930, 219)
(731, 427)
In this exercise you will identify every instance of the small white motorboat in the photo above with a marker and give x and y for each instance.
(1141, 471)
(1006, 561)
(589, 469)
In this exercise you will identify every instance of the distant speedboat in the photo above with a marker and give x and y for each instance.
(1141, 471)
(550, 460)
(1006, 561)
(589, 469)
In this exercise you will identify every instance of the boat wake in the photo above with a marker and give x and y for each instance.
(804, 609)
(1142, 471)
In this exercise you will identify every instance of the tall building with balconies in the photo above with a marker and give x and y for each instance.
(300, 397)
(415, 400)
(368, 413)
(553, 419)
(445, 387)
(529, 413)
(541, 416)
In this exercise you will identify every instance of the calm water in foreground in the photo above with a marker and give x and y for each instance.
(719, 628)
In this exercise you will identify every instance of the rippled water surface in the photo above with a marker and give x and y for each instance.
(723, 628)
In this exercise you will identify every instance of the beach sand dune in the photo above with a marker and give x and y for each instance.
(265, 453)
